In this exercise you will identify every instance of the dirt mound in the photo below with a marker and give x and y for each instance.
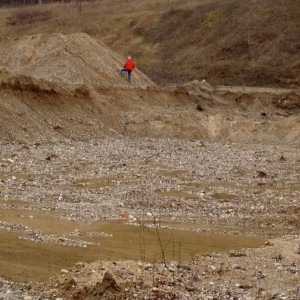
(107, 289)
(65, 59)
(56, 88)
(35, 110)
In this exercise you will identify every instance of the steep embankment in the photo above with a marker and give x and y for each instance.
(70, 93)
(75, 58)
(39, 110)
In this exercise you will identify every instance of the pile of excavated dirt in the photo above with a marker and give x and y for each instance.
(75, 58)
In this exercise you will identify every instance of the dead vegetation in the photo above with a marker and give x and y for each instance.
(28, 16)
(226, 42)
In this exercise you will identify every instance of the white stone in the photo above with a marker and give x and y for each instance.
(140, 264)
(64, 271)
(213, 268)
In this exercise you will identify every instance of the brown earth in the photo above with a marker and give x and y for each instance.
(47, 99)
(232, 42)
(47, 94)
(210, 276)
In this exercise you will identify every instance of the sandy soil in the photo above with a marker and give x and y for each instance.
(223, 157)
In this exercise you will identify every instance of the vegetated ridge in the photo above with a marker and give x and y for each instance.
(252, 43)
(232, 42)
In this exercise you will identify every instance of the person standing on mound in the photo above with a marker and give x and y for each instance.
(128, 67)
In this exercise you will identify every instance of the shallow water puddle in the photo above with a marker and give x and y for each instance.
(224, 196)
(15, 202)
(97, 182)
(208, 186)
(14, 176)
(177, 194)
(92, 184)
(24, 260)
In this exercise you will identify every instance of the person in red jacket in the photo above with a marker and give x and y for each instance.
(128, 67)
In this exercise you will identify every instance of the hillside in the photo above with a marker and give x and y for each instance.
(65, 59)
(167, 190)
(56, 86)
(228, 42)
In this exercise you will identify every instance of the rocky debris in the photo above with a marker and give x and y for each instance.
(144, 179)
(148, 181)
(207, 276)
(13, 291)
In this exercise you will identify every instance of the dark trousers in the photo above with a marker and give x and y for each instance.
(126, 70)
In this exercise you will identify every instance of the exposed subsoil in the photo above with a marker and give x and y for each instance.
(225, 157)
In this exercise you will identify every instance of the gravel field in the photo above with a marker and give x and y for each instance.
(222, 188)
(111, 190)
(174, 180)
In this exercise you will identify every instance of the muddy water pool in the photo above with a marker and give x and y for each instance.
(27, 260)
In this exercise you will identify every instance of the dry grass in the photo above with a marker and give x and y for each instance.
(28, 16)
(93, 13)
(226, 42)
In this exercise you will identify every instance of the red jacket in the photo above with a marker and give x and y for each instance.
(129, 64)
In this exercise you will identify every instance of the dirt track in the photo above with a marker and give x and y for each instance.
(191, 154)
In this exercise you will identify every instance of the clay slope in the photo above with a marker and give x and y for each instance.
(75, 58)
(42, 111)
(67, 87)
